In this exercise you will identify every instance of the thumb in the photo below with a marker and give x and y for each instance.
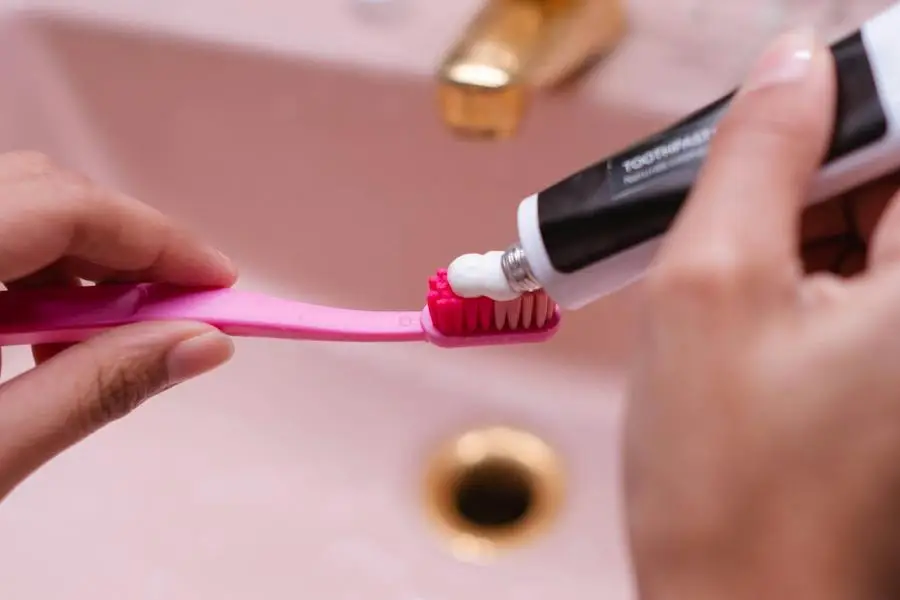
(55, 405)
(744, 211)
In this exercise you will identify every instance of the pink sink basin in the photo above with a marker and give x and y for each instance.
(303, 139)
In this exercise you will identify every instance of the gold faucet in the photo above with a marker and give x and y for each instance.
(512, 46)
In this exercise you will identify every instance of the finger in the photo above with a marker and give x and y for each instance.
(868, 205)
(884, 248)
(45, 218)
(48, 409)
(99, 274)
(744, 210)
(867, 212)
(18, 165)
(822, 290)
(54, 275)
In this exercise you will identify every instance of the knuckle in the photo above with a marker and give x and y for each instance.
(118, 391)
(69, 196)
(27, 163)
(687, 281)
(74, 186)
(709, 277)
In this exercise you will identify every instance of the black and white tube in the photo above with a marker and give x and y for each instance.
(598, 230)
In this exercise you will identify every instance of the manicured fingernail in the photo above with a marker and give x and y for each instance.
(197, 355)
(788, 60)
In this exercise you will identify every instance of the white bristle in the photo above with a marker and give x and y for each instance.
(541, 303)
(515, 313)
(532, 310)
(500, 315)
(527, 309)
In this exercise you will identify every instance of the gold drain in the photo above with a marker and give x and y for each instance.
(491, 489)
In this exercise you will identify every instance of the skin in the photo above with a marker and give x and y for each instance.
(58, 228)
(761, 447)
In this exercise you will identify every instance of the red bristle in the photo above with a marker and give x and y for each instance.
(455, 320)
(470, 312)
(433, 299)
(485, 313)
(456, 316)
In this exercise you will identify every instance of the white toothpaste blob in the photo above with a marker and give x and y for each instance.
(474, 275)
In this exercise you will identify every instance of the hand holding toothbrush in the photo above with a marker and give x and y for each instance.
(762, 438)
(57, 228)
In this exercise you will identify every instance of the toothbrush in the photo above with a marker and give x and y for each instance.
(52, 315)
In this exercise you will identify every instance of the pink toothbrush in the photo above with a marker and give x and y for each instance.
(53, 315)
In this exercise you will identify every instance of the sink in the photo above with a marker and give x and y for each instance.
(318, 163)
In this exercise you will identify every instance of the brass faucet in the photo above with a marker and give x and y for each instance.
(514, 46)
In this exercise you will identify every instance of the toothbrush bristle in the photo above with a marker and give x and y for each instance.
(456, 316)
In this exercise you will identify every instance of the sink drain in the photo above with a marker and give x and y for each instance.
(491, 489)
(493, 494)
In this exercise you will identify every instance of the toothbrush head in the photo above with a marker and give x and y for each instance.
(450, 320)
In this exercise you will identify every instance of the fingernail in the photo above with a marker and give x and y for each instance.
(225, 265)
(197, 355)
(226, 261)
(787, 60)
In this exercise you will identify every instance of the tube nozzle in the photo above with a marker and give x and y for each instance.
(517, 270)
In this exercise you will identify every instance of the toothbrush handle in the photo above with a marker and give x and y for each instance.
(53, 315)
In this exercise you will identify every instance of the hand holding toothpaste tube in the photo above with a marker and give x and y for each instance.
(762, 438)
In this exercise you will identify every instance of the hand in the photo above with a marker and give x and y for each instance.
(762, 433)
(55, 229)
